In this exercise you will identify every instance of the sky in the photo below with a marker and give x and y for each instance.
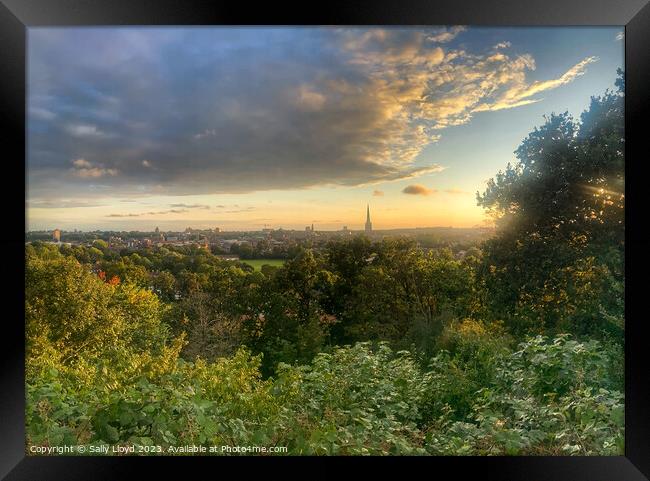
(131, 128)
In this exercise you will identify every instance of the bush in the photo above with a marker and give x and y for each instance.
(468, 357)
(357, 401)
(548, 399)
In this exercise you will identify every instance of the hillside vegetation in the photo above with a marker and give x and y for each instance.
(359, 347)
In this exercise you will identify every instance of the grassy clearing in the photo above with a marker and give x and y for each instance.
(258, 263)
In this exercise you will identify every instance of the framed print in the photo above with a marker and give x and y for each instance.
(384, 234)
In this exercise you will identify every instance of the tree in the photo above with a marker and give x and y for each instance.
(74, 319)
(401, 288)
(282, 312)
(560, 207)
(346, 259)
(305, 279)
(100, 244)
(164, 285)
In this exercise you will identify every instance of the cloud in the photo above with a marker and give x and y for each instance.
(62, 204)
(378, 193)
(519, 92)
(620, 35)
(308, 99)
(417, 189)
(41, 114)
(124, 215)
(190, 206)
(84, 169)
(446, 34)
(502, 45)
(205, 133)
(295, 108)
(141, 214)
(393, 175)
(81, 163)
(456, 192)
(446, 90)
(81, 130)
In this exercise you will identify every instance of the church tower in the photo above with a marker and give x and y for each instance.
(368, 223)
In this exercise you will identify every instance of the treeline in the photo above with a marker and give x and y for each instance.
(350, 291)
(358, 347)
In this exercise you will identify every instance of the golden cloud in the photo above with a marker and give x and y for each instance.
(418, 189)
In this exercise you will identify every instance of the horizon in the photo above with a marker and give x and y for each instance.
(274, 229)
(244, 128)
(267, 227)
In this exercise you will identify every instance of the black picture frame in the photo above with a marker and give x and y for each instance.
(16, 16)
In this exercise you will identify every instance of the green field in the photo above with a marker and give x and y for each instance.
(258, 263)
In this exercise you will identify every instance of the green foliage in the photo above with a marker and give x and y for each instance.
(354, 400)
(556, 263)
(79, 325)
(548, 398)
(402, 346)
(468, 359)
(102, 368)
(399, 291)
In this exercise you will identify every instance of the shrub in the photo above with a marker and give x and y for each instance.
(548, 398)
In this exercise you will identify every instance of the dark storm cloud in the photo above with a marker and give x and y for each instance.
(140, 111)
(200, 111)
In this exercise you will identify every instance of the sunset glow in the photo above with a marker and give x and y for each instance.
(131, 128)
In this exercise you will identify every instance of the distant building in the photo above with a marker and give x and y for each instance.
(114, 241)
(217, 230)
(56, 235)
(368, 223)
(157, 230)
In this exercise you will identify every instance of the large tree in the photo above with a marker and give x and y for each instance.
(556, 261)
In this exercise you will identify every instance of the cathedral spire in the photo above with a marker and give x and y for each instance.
(368, 223)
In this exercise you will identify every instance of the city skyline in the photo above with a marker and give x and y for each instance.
(243, 128)
(367, 228)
